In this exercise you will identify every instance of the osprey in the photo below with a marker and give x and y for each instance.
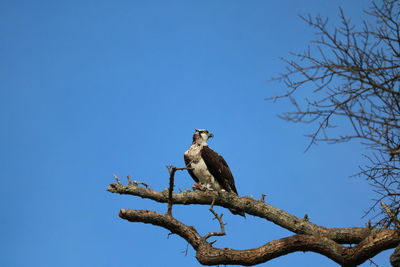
(208, 169)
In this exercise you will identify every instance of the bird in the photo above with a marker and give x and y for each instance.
(208, 169)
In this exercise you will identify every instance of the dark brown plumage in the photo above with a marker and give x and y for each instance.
(218, 167)
(208, 169)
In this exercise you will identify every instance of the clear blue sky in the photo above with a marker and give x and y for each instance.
(92, 88)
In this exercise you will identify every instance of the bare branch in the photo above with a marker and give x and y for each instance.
(140, 183)
(221, 223)
(172, 170)
(117, 179)
(353, 76)
(351, 235)
(208, 255)
(390, 214)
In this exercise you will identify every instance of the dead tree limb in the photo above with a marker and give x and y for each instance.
(172, 170)
(221, 224)
(250, 206)
(308, 236)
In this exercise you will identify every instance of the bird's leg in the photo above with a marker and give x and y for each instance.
(202, 187)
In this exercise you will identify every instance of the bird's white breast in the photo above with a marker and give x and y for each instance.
(199, 168)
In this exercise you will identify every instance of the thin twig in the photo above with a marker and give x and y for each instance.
(169, 234)
(371, 262)
(129, 180)
(186, 250)
(221, 223)
(263, 197)
(117, 179)
(390, 215)
(136, 183)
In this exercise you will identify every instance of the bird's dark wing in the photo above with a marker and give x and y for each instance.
(219, 169)
(187, 162)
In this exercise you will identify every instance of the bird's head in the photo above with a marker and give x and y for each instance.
(201, 136)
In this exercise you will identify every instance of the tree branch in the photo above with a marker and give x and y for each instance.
(221, 224)
(206, 254)
(351, 235)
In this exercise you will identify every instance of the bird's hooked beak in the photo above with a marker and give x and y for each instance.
(210, 135)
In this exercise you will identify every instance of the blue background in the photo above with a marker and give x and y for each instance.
(93, 88)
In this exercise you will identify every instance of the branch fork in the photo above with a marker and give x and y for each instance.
(221, 223)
